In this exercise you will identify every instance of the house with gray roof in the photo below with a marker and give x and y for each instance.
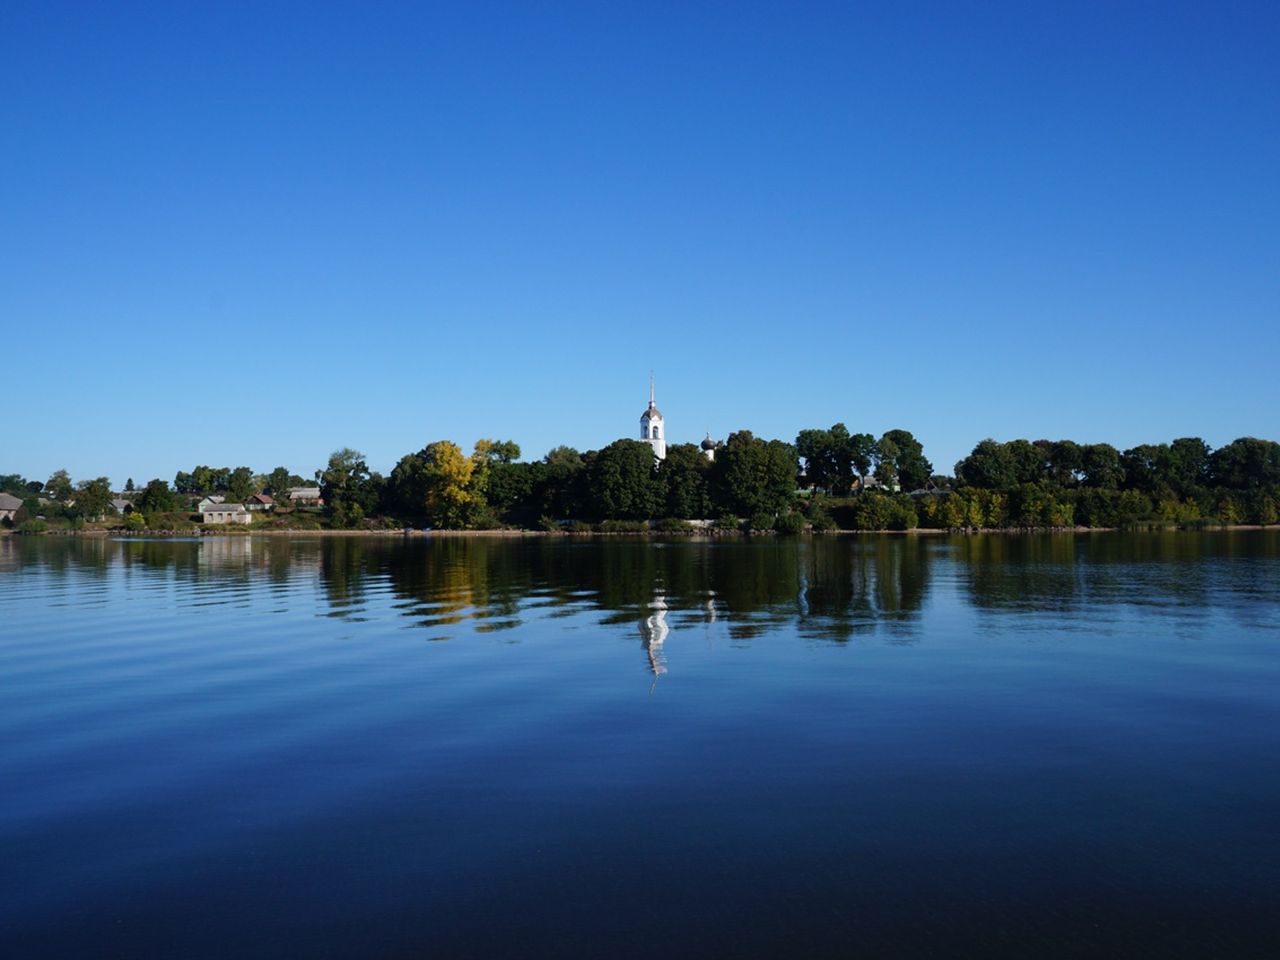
(9, 506)
(214, 513)
(300, 496)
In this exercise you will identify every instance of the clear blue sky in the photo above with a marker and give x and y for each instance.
(242, 233)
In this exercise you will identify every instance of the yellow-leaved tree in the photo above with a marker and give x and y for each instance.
(450, 499)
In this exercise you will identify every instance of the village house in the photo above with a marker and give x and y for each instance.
(305, 496)
(225, 513)
(260, 501)
(9, 507)
(872, 483)
(210, 501)
(121, 506)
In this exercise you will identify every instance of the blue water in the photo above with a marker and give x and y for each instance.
(985, 746)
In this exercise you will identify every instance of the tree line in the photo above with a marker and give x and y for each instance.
(441, 486)
(825, 478)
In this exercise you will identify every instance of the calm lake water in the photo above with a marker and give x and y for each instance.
(984, 746)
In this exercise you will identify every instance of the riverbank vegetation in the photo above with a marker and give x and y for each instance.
(826, 479)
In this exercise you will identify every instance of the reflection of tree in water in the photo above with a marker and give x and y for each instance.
(856, 586)
(448, 581)
(344, 571)
(835, 588)
(1023, 571)
(841, 586)
(754, 584)
(1065, 572)
(97, 555)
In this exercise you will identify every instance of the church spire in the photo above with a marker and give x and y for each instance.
(652, 428)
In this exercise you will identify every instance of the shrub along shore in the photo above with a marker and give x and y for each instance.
(826, 481)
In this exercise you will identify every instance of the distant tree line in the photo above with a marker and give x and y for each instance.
(1062, 483)
(826, 478)
(443, 487)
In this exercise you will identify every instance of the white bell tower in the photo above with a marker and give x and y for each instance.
(653, 430)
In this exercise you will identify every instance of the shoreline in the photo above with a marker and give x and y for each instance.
(411, 533)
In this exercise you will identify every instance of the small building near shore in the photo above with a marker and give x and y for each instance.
(873, 483)
(122, 506)
(9, 507)
(305, 496)
(225, 513)
(260, 501)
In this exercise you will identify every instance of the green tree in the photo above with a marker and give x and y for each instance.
(910, 467)
(156, 497)
(989, 467)
(407, 487)
(624, 483)
(832, 457)
(93, 497)
(844, 453)
(201, 479)
(684, 474)
(562, 490)
(1263, 508)
(861, 452)
(512, 490)
(1142, 466)
(58, 486)
(240, 486)
(1101, 465)
(1246, 463)
(817, 449)
(1187, 468)
(752, 476)
(1029, 461)
(1066, 461)
(873, 511)
(15, 484)
(484, 456)
(350, 491)
(491, 458)
(279, 481)
(502, 451)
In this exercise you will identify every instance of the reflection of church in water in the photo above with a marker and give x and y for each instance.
(653, 633)
(654, 629)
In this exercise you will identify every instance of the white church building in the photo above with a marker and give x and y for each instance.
(653, 430)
